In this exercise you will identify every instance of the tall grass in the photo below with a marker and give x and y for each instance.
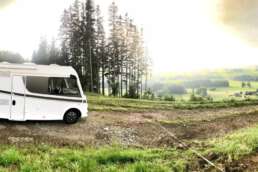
(106, 159)
(238, 144)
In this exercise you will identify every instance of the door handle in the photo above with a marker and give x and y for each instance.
(14, 102)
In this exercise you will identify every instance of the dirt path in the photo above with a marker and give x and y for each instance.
(135, 129)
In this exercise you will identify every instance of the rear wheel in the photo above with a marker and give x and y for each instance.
(71, 117)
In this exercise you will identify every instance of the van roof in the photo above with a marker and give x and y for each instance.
(31, 69)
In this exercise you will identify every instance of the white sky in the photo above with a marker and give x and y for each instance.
(180, 34)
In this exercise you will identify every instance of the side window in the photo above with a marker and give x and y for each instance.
(64, 87)
(37, 84)
(53, 86)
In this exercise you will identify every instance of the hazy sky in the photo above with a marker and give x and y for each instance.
(180, 34)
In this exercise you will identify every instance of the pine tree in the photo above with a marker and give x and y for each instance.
(65, 35)
(113, 46)
(101, 47)
(54, 53)
(120, 60)
(91, 46)
(75, 36)
(42, 55)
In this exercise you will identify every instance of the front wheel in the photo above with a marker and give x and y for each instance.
(71, 117)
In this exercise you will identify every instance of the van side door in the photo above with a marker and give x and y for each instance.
(17, 98)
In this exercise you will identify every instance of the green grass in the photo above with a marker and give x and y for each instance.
(237, 145)
(118, 159)
(222, 97)
(101, 103)
(106, 159)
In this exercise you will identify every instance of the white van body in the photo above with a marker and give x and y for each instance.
(40, 92)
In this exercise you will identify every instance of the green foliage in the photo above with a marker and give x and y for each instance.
(194, 98)
(169, 98)
(132, 92)
(243, 84)
(147, 167)
(114, 88)
(149, 95)
(10, 157)
(238, 144)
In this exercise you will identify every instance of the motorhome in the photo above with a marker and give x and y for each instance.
(41, 92)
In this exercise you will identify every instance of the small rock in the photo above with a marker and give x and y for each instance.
(106, 129)
(180, 146)
(17, 140)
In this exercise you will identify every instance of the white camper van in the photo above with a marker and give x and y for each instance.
(41, 92)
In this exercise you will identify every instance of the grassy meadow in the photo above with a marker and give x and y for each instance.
(223, 93)
(222, 97)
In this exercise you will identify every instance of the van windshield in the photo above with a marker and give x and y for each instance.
(63, 87)
(53, 86)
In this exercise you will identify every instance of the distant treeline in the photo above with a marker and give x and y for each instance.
(205, 83)
(181, 88)
(246, 78)
(116, 60)
(7, 56)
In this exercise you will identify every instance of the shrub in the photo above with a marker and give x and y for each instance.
(132, 93)
(213, 89)
(148, 95)
(169, 98)
(195, 98)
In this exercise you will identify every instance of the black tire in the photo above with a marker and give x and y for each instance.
(71, 117)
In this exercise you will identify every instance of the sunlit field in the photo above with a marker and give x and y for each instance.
(226, 93)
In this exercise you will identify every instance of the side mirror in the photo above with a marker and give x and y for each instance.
(73, 77)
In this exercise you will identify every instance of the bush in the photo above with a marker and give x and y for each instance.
(213, 89)
(132, 93)
(114, 88)
(195, 98)
(169, 98)
(149, 95)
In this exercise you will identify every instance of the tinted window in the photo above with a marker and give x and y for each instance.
(53, 86)
(37, 84)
